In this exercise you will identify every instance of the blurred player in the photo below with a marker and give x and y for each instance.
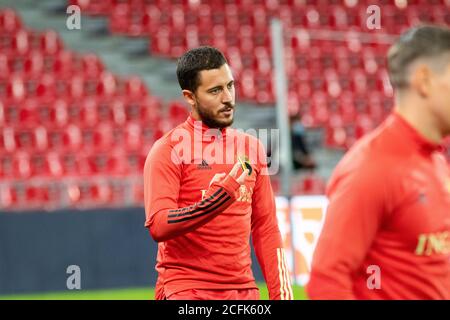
(202, 209)
(387, 229)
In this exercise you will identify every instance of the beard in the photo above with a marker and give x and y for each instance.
(213, 120)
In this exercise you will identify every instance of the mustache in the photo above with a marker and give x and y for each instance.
(227, 107)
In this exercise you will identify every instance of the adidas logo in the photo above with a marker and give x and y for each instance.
(204, 166)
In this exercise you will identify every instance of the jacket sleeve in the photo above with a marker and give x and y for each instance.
(354, 214)
(162, 178)
(267, 240)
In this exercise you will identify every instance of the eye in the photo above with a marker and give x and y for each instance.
(216, 90)
(230, 85)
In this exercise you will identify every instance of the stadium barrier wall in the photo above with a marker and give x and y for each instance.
(111, 247)
(114, 250)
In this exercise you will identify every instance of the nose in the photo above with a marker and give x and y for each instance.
(227, 96)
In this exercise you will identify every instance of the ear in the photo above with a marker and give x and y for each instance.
(421, 79)
(189, 97)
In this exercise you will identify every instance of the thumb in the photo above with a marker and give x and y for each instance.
(242, 177)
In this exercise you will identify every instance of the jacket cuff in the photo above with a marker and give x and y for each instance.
(230, 185)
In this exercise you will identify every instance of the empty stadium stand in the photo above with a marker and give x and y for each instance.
(74, 134)
(340, 84)
(69, 128)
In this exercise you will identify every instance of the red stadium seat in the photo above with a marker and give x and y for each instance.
(39, 165)
(73, 192)
(160, 42)
(178, 112)
(6, 165)
(364, 124)
(16, 114)
(40, 138)
(138, 192)
(358, 81)
(151, 111)
(64, 63)
(103, 136)
(92, 66)
(59, 113)
(9, 21)
(73, 139)
(20, 42)
(21, 165)
(375, 107)
(35, 196)
(101, 193)
(107, 85)
(133, 111)
(54, 165)
(88, 112)
(49, 196)
(50, 42)
(118, 112)
(31, 140)
(15, 89)
(45, 88)
(2, 115)
(8, 197)
(73, 164)
(56, 140)
(119, 21)
(135, 162)
(93, 193)
(320, 108)
(104, 111)
(150, 21)
(33, 64)
(293, 103)
(101, 163)
(94, 7)
(5, 69)
(133, 136)
(247, 85)
(76, 87)
(8, 143)
(135, 88)
(264, 90)
(335, 134)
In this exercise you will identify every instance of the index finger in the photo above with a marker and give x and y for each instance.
(235, 169)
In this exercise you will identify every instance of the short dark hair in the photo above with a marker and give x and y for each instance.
(195, 60)
(425, 41)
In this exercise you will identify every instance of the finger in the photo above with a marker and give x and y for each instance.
(242, 177)
(235, 169)
(219, 176)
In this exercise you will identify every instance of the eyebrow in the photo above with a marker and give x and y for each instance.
(219, 87)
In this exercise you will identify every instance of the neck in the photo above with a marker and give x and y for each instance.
(419, 116)
(195, 115)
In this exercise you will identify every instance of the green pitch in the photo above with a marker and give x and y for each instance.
(121, 294)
